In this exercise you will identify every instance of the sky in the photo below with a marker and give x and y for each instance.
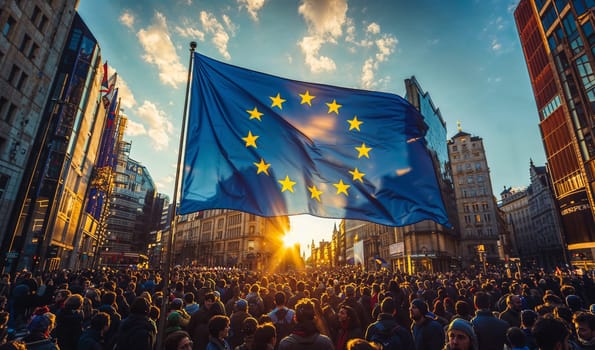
(466, 54)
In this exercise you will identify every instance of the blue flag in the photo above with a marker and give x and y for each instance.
(271, 146)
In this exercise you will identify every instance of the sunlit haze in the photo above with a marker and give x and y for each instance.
(305, 228)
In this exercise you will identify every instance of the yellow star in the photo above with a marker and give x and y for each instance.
(255, 114)
(315, 193)
(341, 187)
(287, 184)
(354, 123)
(250, 139)
(363, 151)
(307, 98)
(262, 167)
(333, 107)
(357, 175)
(277, 101)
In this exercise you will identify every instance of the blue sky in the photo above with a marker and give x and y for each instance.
(465, 53)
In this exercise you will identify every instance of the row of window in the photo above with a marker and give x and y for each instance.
(467, 207)
(468, 167)
(470, 179)
(475, 192)
(464, 147)
(478, 218)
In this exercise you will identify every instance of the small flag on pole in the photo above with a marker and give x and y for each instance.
(105, 88)
(272, 146)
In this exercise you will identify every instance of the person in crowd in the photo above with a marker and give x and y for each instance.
(428, 333)
(349, 327)
(248, 328)
(282, 317)
(387, 331)
(218, 331)
(39, 334)
(512, 313)
(198, 325)
(362, 344)
(60, 297)
(178, 340)
(108, 305)
(551, 334)
(462, 310)
(264, 337)
(516, 339)
(177, 318)
(92, 337)
(351, 301)
(305, 334)
(236, 323)
(137, 331)
(491, 331)
(190, 306)
(255, 302)
(528, 319)
(460, 335)
(584, 323)
(69, 322)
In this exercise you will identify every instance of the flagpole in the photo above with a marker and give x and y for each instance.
(170, 242)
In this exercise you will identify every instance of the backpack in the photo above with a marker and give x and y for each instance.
(282, 325)
(388, 338)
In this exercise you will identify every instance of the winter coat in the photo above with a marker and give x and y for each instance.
(136, 331)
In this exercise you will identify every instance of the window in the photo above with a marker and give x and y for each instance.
(12, 111)
(549, 16)
(22, 81)
(586, 71)
(3, 102)
(25, 43)
(477, 166)
(13, 74)
(35, 14)
(8, 26)
(42, 23)
(33, 52)
(3, 184)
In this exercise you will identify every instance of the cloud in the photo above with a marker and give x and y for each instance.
(252, 6)
(160, 51)
(187, 31)
(127, 19)
(325, 20)
(385, 46)
(220, 37)
(159, 128)
(134, 129)
(310, 46)
(125, 94)
(496, 46)
(373, 28)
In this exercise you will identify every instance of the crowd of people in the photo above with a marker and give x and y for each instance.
(343, 309)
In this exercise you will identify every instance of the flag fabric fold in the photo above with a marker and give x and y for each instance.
(272, 146)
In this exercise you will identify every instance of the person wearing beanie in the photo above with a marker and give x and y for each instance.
(237, 318)
(460, 335)
(428, 334)
(39, 334)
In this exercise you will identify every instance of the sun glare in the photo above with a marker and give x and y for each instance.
(289, 240)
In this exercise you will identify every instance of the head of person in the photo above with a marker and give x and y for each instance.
(73, 302)
(280, 298)
(209, 300)
(514, 302)
(387, 306)
(100, 322)
(249, 325)
(551, 334)
(140, 306)
(362, 344)
(584, 323)
(241, 305)
(460, 335)
(40, 325)
(304, 310)
(528, 318)
(516, 338)
(178, 340)
(418, 309)
(219, 326)
(348, 315)
(481, 300)
(264, 335)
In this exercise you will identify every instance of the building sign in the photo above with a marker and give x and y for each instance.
(396, 250)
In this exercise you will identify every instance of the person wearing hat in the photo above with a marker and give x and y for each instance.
(428, 334)
(39, 334)
(240, 313)
(460, 335)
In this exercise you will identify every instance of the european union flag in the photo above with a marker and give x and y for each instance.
(271, 146)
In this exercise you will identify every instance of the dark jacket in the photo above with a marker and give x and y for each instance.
(511, 316)
(90, 340)
(429, 335)
(198, 325)
(386, 323)
(136, 331)
(305, 336)
(491, 331)
(40, 342)
(69, 326)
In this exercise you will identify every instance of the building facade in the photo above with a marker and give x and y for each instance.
(34, 34)
(476, 205)
(558, 39)
(514, 202)
(222, 237)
